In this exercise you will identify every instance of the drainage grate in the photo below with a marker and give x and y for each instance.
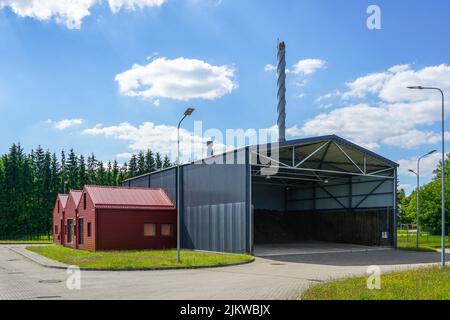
(13, 260)
(278, 264)
(48, 297)
(15, 272)
(50, 281)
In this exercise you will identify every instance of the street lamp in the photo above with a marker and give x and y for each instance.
(443, 166)
(187, 113)
(418, 192)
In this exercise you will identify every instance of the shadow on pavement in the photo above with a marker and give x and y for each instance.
(382, 257)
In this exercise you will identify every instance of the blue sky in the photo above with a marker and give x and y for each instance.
(75, 63)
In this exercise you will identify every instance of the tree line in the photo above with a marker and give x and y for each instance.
(30, 182)
(430, 202)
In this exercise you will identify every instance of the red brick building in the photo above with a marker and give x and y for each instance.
(120, 218)
(70, 218)
(58, 218)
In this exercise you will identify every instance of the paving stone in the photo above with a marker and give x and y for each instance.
(278, 277)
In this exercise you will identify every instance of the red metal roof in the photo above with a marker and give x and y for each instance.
(129, 198)
(63, 199)
(76, 196)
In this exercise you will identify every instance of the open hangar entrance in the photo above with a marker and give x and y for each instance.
(325, 189)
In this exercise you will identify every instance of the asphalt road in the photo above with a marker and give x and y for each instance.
(274, 277)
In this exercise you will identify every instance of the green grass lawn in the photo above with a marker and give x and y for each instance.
(426, 242)
(42, 239)
(25, 241)
(136, 259)
(421, 284)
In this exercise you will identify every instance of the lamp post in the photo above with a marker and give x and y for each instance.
(418, 192)
(187, 113)
(443, 166)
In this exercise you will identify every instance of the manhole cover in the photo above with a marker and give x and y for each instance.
(50, 281)
(48, 297)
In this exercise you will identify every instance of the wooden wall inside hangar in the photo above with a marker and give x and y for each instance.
(364, 227)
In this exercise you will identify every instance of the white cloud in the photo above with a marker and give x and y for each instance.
(124, 155)
(325, 106)
(69, 12)
(430, 76)
(399, 68)
(179, 79)
(117, 5)
(390, 86)
(407, 187)
(270, 68)
(65, 124)
(370, 126)
(371, 83)
(361, 123)
(397, 117)
(415, 138)
(301, 84)
(328, 96)
(375, 82)
(308, 66)
(160, 138)
(427, 165)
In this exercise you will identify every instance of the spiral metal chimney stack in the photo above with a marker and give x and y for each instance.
(281, 72)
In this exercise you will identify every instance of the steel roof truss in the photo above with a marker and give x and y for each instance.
(348, 157)
(312, 154)
(330, 171)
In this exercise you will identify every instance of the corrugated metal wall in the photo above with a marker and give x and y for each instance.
(214, 215)
(139, 182)
(217, 198)
(219, 227)
(358, 226)
(215, 207)
(165, 179)
(268, 196)
(359, 192)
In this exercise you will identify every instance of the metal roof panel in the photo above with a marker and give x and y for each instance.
(129, 198)
(63, 199)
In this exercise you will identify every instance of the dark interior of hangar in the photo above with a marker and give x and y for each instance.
(324, 191)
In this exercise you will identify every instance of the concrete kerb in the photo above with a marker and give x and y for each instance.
(58, 265)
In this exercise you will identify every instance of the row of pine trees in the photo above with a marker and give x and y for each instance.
(30, 182)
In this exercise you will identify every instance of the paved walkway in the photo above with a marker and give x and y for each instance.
(278, 277)
(39, 259)
(310, 247)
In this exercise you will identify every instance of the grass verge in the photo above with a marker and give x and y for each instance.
(137, 259)
(412, 247)
(420, 284)
(26, 241)
(407, 241)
